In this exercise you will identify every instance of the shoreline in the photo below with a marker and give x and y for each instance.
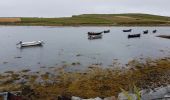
(92, 25)
(129, 19)
(93, 82)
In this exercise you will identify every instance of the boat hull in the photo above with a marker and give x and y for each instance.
(106, 31)
(154, 31)
(134, 36)
(127, 30)
(93, 33)
(33, 43)
(145, 32)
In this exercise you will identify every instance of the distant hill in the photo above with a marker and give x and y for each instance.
(96, 20)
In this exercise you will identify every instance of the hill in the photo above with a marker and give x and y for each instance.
(132, 19)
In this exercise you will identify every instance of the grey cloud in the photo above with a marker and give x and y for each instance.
(59, 8)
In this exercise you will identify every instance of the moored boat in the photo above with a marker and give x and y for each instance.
(129, 30)
(106, 31)
(154, 31)
(145, 32)
(28, 44)
(94, 33)
(134, 35)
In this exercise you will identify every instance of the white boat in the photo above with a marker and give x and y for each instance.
(33, 43)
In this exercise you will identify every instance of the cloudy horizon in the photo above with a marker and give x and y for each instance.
(66, 8)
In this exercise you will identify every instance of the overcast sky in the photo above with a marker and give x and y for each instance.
(61, 8)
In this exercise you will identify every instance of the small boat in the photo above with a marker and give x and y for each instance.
(106, 31)
(154, 31)
(92, 37)
(94, 33)
(145, 32)
(134, 35)
(129, 30)
(28, 44)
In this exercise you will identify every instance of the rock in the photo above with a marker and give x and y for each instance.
(163, 59)
(128, 45)
(97, 98)
(78, 55)
(110, 98)
(157, 93)
(168, 88)
(167, 96)
(22, 81)
(122, 96)
(161, 50)
(75, 98)
(153, 64)
(63, 98)
(75, 63)
(17, 57)
(5, 62)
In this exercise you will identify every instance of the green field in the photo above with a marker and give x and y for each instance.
(97, 20)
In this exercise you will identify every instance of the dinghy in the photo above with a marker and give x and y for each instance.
(28, 44)
(145, 32)
(154, 31)
(106, 31)
(129, 30)
(134, 36)
(94, 33)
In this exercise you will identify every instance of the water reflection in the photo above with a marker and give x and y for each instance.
(94, 37)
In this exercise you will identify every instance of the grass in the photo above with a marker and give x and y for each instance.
(96, 20)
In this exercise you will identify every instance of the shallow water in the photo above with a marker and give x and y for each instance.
(62, 44)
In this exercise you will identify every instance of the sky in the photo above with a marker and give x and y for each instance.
(65, 8)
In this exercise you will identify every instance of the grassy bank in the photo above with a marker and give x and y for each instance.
(93, 82)
(96, 20)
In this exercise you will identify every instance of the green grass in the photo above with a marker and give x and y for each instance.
(97, 20)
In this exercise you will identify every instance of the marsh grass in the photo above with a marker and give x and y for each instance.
(136, 91)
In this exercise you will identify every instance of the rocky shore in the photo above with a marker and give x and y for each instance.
(92, 83)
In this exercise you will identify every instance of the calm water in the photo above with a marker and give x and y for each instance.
(62, 44)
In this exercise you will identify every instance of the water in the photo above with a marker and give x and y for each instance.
(62, 44)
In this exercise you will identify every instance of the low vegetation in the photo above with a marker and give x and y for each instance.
(93, 20)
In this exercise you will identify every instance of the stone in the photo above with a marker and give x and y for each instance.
(153, 64)
(75, 98)
(97, 98)
(122, 96)
(110, 98)
(63, 98)
(157, 93)
(167, 96)
(17, 57)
